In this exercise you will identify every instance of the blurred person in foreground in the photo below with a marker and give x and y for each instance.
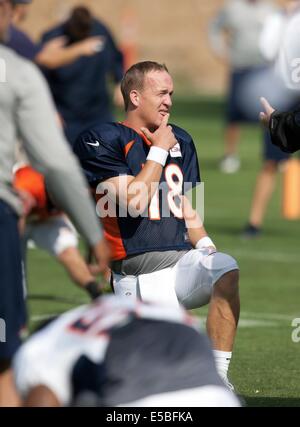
(234, 37)
(47, 226)
(27, 110)
(120, 352)
(81, 89)
(280, 43)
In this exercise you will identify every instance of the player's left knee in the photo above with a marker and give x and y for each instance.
(226, 273)
(228, 285)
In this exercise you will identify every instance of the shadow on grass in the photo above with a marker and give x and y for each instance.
(226, 229)
(271, 401)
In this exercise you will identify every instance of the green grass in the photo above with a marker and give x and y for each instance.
(265, 366)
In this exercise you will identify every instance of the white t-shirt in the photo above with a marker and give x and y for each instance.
(280, 43)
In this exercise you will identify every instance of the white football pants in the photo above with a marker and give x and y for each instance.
(189, 282)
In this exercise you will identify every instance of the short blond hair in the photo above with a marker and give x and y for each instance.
(135, 76)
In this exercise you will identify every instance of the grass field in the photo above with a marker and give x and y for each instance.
(265, 367)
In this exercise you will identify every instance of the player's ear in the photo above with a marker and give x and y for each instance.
(135, 98)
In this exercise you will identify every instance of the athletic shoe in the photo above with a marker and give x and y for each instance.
(230, 164)
(251, 232)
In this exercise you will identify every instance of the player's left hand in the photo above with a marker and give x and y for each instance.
(101, 253)
(264, 116)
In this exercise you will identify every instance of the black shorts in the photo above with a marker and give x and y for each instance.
(271, 152)
(12, 302)
(236, 109)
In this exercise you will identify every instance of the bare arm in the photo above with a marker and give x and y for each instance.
(55, 54)
(141, 188)
(265, 115)
(194, 224)
(41, 396)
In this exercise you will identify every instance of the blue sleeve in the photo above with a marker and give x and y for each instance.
(101, 156)
(52, 34)
(22, 44)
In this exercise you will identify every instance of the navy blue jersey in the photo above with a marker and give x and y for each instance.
(80, 89)
(22, 44)
(12, 301)
(114, 149)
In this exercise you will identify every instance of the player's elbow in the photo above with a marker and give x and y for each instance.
(41, 396)
(50, 61)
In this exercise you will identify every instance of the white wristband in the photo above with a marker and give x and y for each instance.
(158, 155)
(204, 243)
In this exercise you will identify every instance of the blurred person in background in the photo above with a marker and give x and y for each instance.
(50, 55)
(234, 37)
(279, 43)
(120, 352)
(26, 108)
(80, 89)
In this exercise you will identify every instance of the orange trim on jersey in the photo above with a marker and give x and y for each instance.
(128, 147)
(145, 139)
(113, 235)
(139, 132)
(28, 179)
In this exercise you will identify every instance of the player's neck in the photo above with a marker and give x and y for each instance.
(134, 122)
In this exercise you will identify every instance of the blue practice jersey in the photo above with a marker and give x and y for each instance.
(114, 149)
(80, 89)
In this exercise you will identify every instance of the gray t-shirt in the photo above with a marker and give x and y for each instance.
(27, 111)
(243, 21)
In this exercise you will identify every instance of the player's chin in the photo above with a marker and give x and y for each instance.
(160, 118)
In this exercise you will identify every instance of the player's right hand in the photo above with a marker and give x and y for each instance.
(101, 253)
(163, 137)
(265, 116)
